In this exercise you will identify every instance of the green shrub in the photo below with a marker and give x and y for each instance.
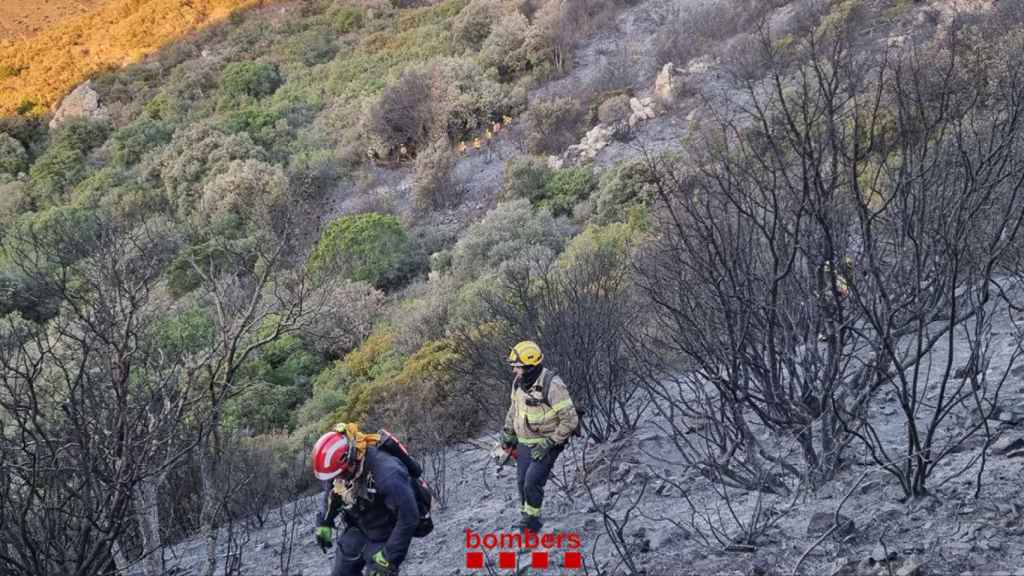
(345, 19)
(473, 23)
(129, 144)
(59, 168)
(184, 330)
(241, 81)
(622, 189)
(311, 47)
(44, 246)
(328, 398)
(527, 177)
(248, 190)
(375, 357)
(13, 156)
(270, 122)
(554, 125)
(505, 48)
(278, 381)
(263, 407)
(331, 379)
(31, 132)
(369, 247)
(557, 190)
(191, 82)
(212, 257)
(365, 370)
(253, 119)
(26, 107)
(22, 295)
(113, 189)
(549, 41)
(195, 154)
(164, 107)
(512, 230)
(63, 164)
(418, 36)
(566, 188)
(432, 236)
(611, 244)
(441, 261)
(311, 173)
(14, 200)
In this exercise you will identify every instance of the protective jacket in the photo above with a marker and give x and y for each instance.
(532, 419)
(381, 504)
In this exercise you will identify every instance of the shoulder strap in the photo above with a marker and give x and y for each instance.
(546, 386)
(392, 445)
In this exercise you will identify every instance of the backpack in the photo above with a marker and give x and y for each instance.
(545, 391)
(420, 488)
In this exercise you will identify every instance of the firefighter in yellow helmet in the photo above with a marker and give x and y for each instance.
(539, 422)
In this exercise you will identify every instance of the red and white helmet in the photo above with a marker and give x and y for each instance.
(331, 456)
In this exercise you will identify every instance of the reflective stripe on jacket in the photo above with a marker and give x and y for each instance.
(532, 420)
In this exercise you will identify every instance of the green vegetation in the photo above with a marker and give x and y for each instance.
(63, 164)
(13, 156)
(129, 144)
(371, 247)
(623, 189)
(556, 190)
(219, 152)
(241, 81)
(222, 133)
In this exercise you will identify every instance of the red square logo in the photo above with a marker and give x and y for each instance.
(474, 559)
(540, 560)
(572, 560)
(507, 560)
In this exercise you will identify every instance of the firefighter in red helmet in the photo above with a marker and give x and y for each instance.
(376, 493)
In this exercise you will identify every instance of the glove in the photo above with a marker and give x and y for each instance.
(540, 450)
(381, 566)
(509, 440)
(324, 537)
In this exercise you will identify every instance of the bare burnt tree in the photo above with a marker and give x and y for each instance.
(587, 308)
(88, 399)
(940, 218)
(250, 309)
(838, 220)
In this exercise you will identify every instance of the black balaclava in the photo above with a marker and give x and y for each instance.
(530, 375)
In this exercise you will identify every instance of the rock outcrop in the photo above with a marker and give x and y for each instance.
(666, 85)
(595, 140)
(641, 109)
(82, 102)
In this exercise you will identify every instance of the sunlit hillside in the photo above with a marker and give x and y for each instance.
(36, 71)
(25, 18)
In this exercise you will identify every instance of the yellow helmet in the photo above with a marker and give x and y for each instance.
(526, 353)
